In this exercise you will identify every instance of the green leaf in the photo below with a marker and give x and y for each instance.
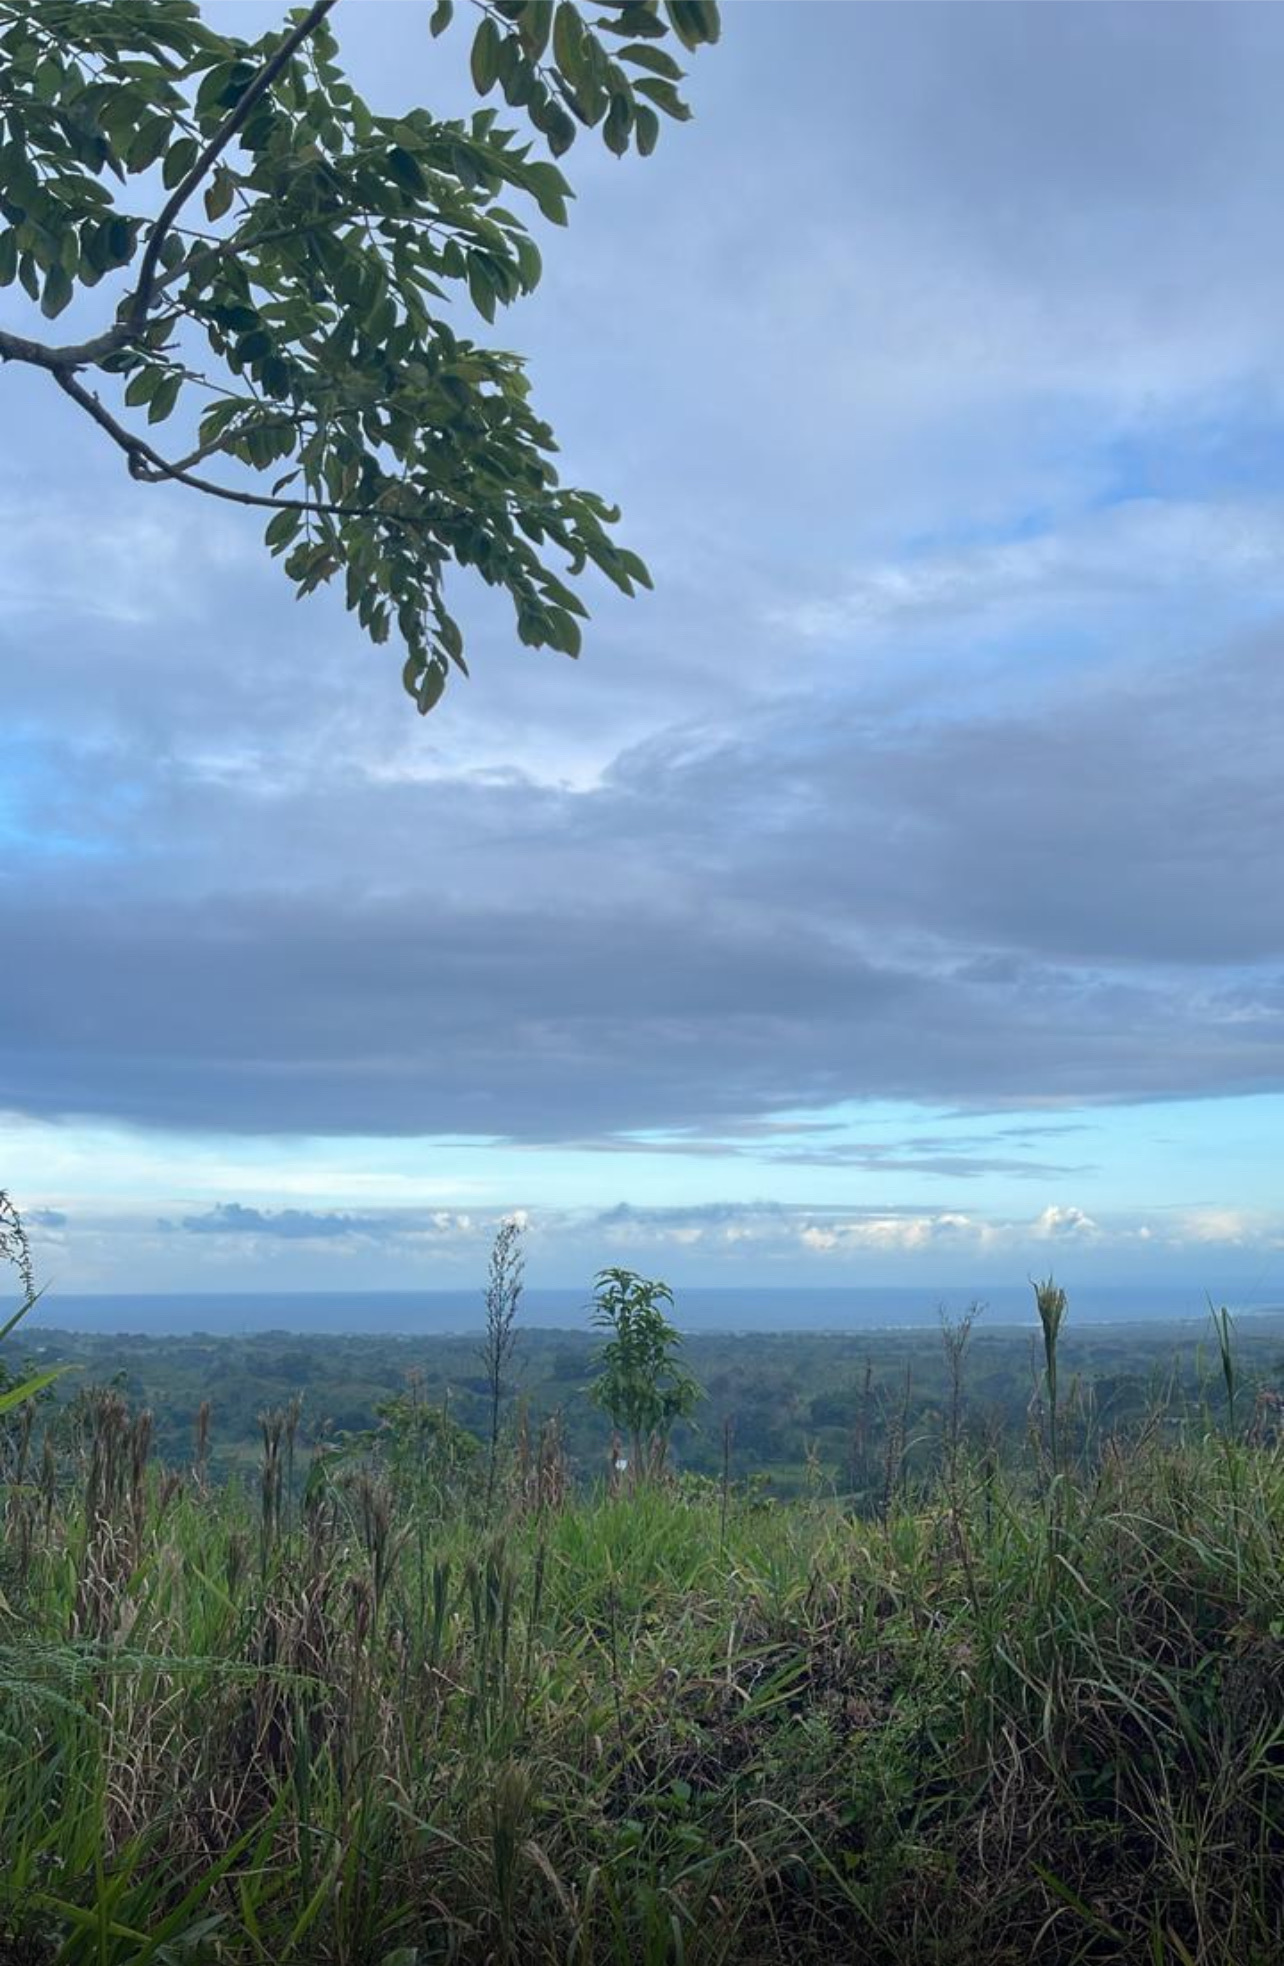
(529, 264)
(568, 41)
(1071, 1897)
(534, 26)
(8, 258)
(658, 60)
(15, 1395)
(165, 397)
(451, 639)
(179, 159)
(666, 95)
(143, 386)
(485, 57)
(637, 19)
(405, 169)
(442, 15)
(590, 100)
(550, 191)
(282, 529)
(564, 632)
(210, 94)
(57, 292)
(276, 376)
(520, 83)
(148, 143)
(481, 286)
(120, 241)
(559, 129)
(218, 197)
(646, 129)
(431, 685)
(619, 123)
(694, 21)
(48, 81)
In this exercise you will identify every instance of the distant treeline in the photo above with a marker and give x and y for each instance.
(790, 1409)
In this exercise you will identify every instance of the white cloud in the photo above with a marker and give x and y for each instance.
(905, 1233)
(1139, 549)
(1232, 1226)
(1059, 1224)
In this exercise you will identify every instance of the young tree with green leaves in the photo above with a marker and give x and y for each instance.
(277, 273)
(642, 1383)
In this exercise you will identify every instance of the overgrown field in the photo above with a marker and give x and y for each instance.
(1025, 1707)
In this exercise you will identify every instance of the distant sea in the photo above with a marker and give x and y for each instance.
(439, 1312)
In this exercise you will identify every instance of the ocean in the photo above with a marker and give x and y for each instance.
(723, 1309)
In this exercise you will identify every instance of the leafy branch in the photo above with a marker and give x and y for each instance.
(323, 289)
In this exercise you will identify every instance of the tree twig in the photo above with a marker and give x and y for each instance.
(151, 468)
(142, 298)
(76, 355)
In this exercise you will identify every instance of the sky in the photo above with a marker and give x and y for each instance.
(892, 897)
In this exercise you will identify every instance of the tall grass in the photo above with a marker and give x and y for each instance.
(357, 1727)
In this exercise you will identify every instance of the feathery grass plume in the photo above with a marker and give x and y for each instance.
(504, 1280)
(140, 1447)
(201, 1446)
(860, 1475)
(48, 1482)
(293, 1415)
(380, 1534)
(956, 1336)
(1050, 1302)
(273, 1425)
(510, 1811)
(553, 1468)
(15, 1249)
(1224, 1332)
(724, 1495)
(896, 1447)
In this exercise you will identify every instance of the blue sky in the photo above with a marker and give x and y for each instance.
(893, 896)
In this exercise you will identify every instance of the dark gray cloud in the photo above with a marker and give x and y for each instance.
(233, 1218)
(797, 1142)
(700, 1215)
(1078, 903)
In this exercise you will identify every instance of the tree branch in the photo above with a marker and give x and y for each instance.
(136, 450)
(61, 361)
(151, 468)
(258, 88)
(76, 355)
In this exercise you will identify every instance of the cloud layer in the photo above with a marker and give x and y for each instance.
(1076, 901)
